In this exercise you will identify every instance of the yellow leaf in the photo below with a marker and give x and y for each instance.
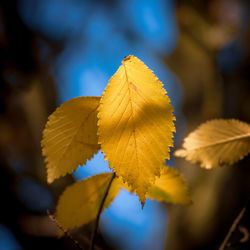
(70, 136)
(217, 143)
(170, 187)
(79, 203)
(135, 124)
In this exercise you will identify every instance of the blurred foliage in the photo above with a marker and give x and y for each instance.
(217, 143)
(212, 61)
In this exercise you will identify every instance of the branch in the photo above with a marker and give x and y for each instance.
(236, 222)
(64, 231)
(93, 238)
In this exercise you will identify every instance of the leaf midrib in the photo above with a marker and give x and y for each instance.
(234, 138)
(132, 112)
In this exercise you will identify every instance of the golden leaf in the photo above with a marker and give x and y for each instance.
(217, 143)
(80, 202)
(70, 136)
(135, 124)
(170, 187)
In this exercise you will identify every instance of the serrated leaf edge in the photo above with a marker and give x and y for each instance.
(173, 128)
(42, 142)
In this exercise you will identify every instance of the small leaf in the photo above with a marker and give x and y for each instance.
(70, 136)
(217, 143)
(170, 187)
(79, 203)
(135, 124)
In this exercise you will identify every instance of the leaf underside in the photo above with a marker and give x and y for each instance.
(80, 202)
(135, 124)
(70, 136)
(217, 143)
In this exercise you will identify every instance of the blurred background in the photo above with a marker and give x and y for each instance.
(54, 50)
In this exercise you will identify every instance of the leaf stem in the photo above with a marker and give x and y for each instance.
(94, 234)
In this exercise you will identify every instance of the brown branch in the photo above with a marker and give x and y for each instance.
(236, 222)
(64, 231)
(94, 234)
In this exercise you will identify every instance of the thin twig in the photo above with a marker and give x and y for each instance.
(232, 229)
(64, 231)
(94, 234)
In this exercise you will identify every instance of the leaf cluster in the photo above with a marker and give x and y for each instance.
(133, 125)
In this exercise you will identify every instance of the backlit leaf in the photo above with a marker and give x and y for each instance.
(79, 203)
(70, 136)
(135, 124)
(170, 187)
(217, 143)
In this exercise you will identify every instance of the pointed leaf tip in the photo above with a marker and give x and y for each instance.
(169, 187)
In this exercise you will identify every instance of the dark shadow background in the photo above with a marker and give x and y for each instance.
(53, 50)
